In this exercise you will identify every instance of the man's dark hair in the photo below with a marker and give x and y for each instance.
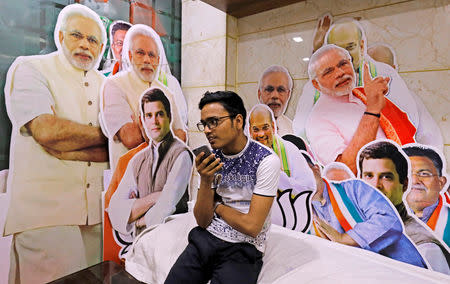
(426, 152)
(156, 95)
(384, 149)
(230, 101)
(120, 27)
(297, 141)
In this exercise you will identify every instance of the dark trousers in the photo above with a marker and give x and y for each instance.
(207, 257)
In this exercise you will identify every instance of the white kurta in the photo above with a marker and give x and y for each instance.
(284, 125)
(46, 191)
(428, 131)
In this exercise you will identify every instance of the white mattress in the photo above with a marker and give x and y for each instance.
(290, 257)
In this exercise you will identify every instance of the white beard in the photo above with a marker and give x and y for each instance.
(75, 63)
(340, 93)
(146, 78)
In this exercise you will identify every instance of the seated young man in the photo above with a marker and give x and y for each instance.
(228, 244)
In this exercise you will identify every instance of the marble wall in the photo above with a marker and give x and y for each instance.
(417, 30)
(208, 49)
(222, 52)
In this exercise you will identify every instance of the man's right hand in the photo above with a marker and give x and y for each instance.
(206, 171)
(322, 28)
(375, 90)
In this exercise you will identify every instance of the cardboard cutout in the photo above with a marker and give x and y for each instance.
(275, 90)
(290, 208)
(120, 94)
(346, 31)
(353, 213)
(150, 182)
(58, 153)
(384, 165)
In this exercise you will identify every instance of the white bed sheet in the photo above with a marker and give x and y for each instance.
(290, 257)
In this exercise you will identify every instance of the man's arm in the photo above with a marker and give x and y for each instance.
(130, 135)
(92, 154)
(322, 28)
(381, 226)
(120, 204)
(333, 235)
(142, 205)
(181, 134)
(174, 189)
(204, 206)
(251, 223)
(323, 228)
(158, 205)
(366, 132)
(64, 135)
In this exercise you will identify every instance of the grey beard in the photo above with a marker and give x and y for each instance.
(83, 66)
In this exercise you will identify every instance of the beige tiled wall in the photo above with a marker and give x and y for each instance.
(222, 52)
(418, 31)
(208, 49)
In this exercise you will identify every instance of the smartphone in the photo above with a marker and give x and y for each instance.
(205, 149)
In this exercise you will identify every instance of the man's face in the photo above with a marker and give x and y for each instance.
(275, 92)
(381, 174)
(81, 42)
(225, 132)
(261, 127)
(334, 74)
(144, 57)
(117, 44)
(347, 37)
(426, 184)
(156, 120)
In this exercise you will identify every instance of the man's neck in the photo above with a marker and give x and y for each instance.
(235, 146)
(418, 211)
(346, 96)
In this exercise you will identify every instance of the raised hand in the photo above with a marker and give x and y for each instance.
(318, 194)
(322, 28)
(375, 90)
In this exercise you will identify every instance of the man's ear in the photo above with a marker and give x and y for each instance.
(442, 182)
(362, 43)
(405, 185)
(61, 37)
(239, 119)
(259, 95)
(130, 55)
(315, 84)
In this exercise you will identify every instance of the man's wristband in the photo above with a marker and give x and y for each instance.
(374, 114)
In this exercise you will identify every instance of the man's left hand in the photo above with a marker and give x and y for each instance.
(329, 232)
